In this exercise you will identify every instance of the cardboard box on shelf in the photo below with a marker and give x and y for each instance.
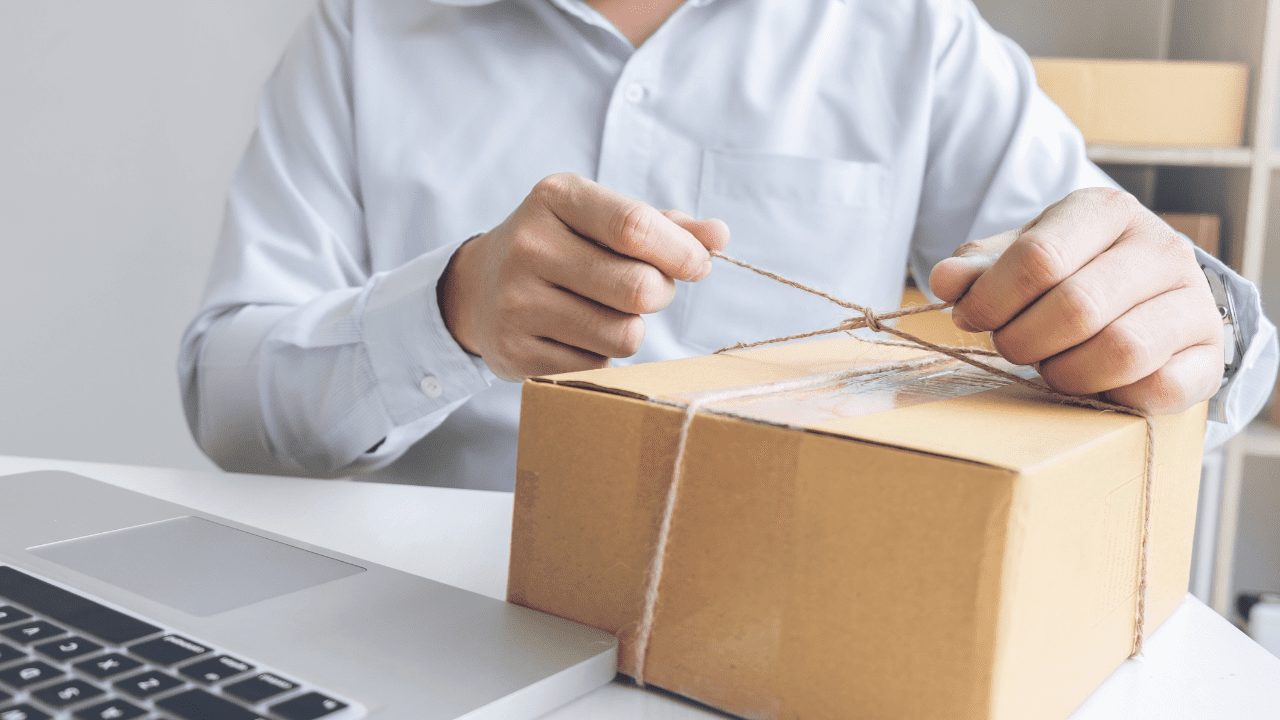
(897, 535)
(1204, 229)
(1139, 102)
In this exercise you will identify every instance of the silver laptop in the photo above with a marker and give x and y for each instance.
(116, 605)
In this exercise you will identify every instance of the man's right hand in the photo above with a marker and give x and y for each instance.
(562, 283)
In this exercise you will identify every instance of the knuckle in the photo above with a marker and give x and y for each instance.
(552, 188)
(1111, 197)
(1041, 263)
(1011, 347)
(1128, 350)
(1161, 392)
(1061, 376)
(643, 289)
(630, 337)
(1081, 311)
(979, 310)
(633, 227)
(525, 243)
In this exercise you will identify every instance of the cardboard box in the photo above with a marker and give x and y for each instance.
(1205, 230)
(1138, 102)
(937, 326)
(927, 543)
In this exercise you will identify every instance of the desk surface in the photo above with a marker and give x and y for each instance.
(1196, 666)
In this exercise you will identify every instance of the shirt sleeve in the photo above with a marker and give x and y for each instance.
(1000, 151)
(302, 361)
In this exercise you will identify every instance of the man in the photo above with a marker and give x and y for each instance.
(350, 327)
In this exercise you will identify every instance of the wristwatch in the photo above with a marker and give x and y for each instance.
(1232, 337)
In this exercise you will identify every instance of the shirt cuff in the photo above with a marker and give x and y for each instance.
(420, 369)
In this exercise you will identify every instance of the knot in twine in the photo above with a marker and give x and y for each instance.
(868, 318)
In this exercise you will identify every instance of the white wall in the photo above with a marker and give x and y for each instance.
(120, 124)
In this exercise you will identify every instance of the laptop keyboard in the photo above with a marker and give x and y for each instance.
(63, 655)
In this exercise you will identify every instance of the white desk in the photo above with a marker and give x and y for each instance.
(1197, 665)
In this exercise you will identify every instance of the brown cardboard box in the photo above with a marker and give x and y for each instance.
(1138, 102)
(937, 326)
(916, 544)
(1205, 230)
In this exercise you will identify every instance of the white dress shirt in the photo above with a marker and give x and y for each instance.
(839, 139)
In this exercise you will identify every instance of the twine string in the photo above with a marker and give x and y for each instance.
(868, 318)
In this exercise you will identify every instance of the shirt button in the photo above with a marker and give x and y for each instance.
(635, 92)
(431, 387)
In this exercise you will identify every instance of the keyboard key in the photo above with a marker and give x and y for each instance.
(33, 631)
(309, 706)
(5, 697)
(9, 653)
(200, 705)
(146, 684)
(65, 694)
(256, 689)
(215, 670)
(21, 712)
(168, 650)
(68, 648)
(110, 710)
(28, 673)
(108, 666)
(11, 614)
(66, 607)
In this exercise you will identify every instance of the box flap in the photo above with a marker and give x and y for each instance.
(856, 389)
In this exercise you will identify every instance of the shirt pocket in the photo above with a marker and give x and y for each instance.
(809, 219)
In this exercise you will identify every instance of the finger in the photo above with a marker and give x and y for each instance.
(1190, 377)
(548, 357)
(577, 322)
(1064, 240)
(599, 274)
(951, 278)
(1082, 305)
(1137, 344)
(713, 233)
(624, 225)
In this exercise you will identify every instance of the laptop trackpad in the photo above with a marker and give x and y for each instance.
(194, 565)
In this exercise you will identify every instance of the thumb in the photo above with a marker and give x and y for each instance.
(711, 232)
(952, 278)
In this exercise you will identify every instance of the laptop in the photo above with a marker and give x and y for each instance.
(116, 605)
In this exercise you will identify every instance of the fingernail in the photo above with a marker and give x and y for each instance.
(705, 270)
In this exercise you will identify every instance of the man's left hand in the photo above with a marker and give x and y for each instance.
(1101, 296)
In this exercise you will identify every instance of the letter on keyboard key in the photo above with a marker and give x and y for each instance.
(145, 684)
(310, 706)
(110, 710)
(109, 665)
(168, 650)
(65, 694)
(11, 614)
(67, 607)
(28, 673)
(201, 705)
(32, 632)
(21, 712)
(67, 648)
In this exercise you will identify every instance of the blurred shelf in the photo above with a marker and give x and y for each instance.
(1262, 439)
(1222, 157)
